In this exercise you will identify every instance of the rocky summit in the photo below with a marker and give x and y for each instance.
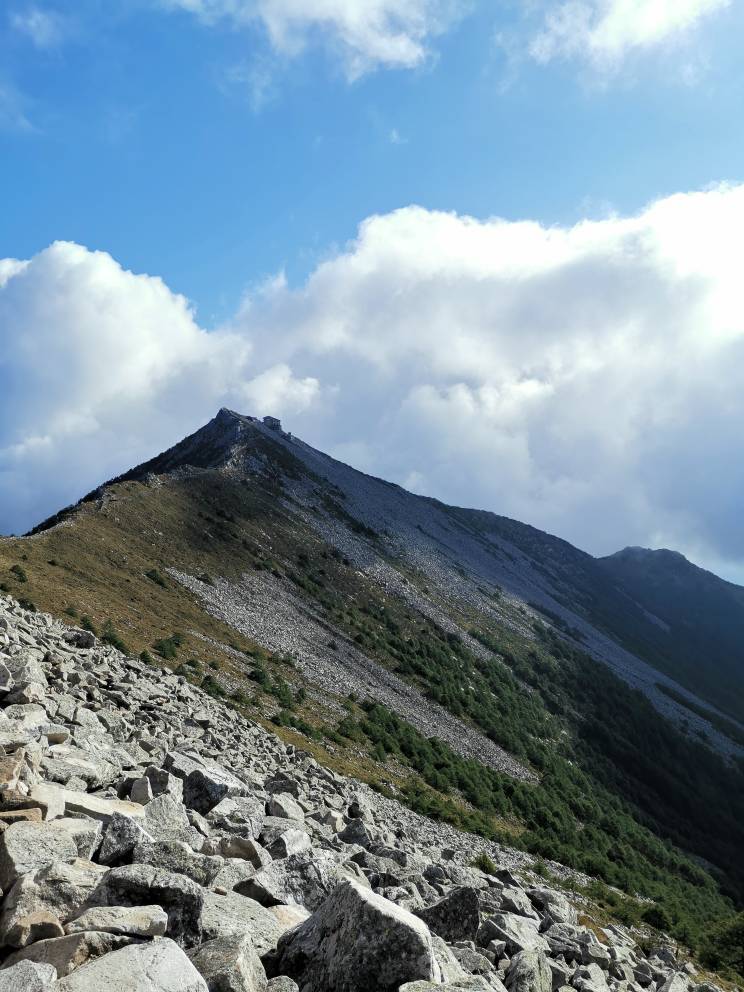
(154, 840)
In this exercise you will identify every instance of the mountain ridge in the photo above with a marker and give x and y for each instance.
(467, 663)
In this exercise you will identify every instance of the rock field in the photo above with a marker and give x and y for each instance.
(153, 840)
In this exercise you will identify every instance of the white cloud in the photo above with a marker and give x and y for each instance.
(44, 27)
(588, 380)
(604, 32)
(367, 34)
(101, 368)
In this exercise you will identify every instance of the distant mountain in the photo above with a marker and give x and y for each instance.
(482, 670)
(696, 631)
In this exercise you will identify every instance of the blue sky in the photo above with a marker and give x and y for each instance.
(144, 141)
(236, 149)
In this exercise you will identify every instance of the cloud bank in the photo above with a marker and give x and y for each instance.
(588, 380)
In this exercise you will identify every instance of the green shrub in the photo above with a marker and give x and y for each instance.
(722, 947)
(87, 624)
(167, 647)
(19, 573)
(109, 635)
(154, 576)
(212, 687)
(485, 864)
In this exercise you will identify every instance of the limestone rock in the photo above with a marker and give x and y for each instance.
(26, 846)
(529, 971)
(69, 952)
(133, 921)
(357, 941)
(27, 976)
(160, 966)
(143, 885)
(230, 964)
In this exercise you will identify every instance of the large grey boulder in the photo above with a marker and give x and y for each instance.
(230, 964)
(244, 815)
(27, 976)
(59, 889)
(160, 966)
(26, 846)
(205, 783)
(301, 879)
(175, 856)
(283, 805)
(121, 836)
(143, 885)
(529, 971)
(166, 819)
(231, 914)
(69, 952)
(519, 933)
(456, 917)
(357, 942)
(554, 905)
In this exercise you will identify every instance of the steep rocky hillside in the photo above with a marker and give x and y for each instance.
(464, 664)
(153, 840)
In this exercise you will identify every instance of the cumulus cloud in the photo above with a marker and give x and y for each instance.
(101, 368)
(604, 32)
(586, 379)
(367, 34)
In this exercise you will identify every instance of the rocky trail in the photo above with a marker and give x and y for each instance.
(153, 840)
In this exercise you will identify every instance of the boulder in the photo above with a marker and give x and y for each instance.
(205, 783)
(60, 889)
(69, 952)
(231, 914)
(160, 966)
(27, 976)
(230, 964)
(143, 885)
(554, 905)
(529, 971)
(456, 917)
(301, 879)
(174, 856)
(26, 846)
(133, 921)
(283, 805)
(358, 941)
(121, 836)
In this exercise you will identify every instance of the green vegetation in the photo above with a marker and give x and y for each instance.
(167, 647)
(109, 635)
(723, 948)
(19, 572)
(727, 727)
(484, 863)
(154, 576)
